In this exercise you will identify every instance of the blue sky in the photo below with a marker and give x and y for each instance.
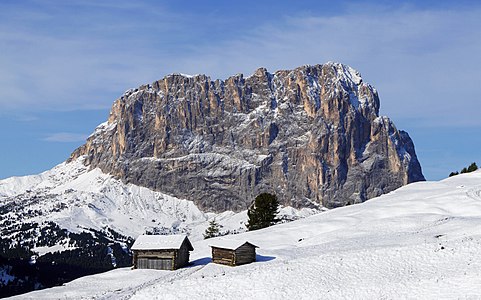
(63, 63)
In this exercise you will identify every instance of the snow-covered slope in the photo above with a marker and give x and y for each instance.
(77, 199)
(73, 218)
(422, 241)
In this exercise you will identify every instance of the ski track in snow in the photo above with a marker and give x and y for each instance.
(127, 293)
(474, 193)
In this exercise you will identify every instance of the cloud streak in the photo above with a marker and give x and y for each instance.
(66, 137)
(424, 62)
(63, 59)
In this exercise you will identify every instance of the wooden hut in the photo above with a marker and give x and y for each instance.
(161, 252)
(232, 252)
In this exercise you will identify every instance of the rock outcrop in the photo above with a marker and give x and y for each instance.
(312, 135)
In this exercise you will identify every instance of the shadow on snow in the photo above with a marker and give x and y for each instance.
(201, 261)
(206, 260)
(263, 258)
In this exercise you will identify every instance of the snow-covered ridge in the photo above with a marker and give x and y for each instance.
(59, 174)
(96, 200)
(103, 127)
(346, 76)
(77, 198)
(421, 241)
(346, 72)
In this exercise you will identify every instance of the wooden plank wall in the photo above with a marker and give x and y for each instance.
(179, 257)
(223, 256)
(155, 253)
(155, 259)
(245, 254)
(182, 258)
(154, 263)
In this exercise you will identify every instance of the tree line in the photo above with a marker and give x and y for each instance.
(472, 167)
(85, 253)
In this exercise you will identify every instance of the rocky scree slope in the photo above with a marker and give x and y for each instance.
(312, 136)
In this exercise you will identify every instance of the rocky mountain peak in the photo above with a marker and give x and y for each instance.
(312, 135)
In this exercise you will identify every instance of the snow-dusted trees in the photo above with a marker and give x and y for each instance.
(213, 230)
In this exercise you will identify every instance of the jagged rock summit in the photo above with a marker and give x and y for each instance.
(312, 135)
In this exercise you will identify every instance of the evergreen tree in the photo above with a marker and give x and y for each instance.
(263, 212)
(473, 167)
(213, 230)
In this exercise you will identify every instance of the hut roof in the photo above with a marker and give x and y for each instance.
(160, 242)
(229, 244)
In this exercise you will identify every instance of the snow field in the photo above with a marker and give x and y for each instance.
(78, 199)
(422, 241)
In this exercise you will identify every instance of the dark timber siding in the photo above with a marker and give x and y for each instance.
(223, 256)
(243, 255)
(154, 259)
(182, 256)
(170, 259)
(154, 263)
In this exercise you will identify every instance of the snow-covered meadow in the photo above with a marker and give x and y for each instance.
(422, 241)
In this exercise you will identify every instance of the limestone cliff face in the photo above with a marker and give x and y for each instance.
(309, 135)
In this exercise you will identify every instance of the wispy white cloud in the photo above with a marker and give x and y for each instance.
(425, 63)
(63, 59)
(66, 137)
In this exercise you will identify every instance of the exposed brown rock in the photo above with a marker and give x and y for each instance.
(310, 135)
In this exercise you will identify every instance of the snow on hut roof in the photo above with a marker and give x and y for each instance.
(159, 242)
(229, 244)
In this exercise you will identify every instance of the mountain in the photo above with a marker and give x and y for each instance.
(421, 241)
(70, 222)
(312, 135)
(184, 150)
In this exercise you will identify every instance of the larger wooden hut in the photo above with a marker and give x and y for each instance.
(161, 252)
(232, 252)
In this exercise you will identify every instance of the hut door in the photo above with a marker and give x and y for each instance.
(155, 263)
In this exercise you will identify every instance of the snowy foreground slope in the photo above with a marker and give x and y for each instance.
(70, 222)
(422, 241)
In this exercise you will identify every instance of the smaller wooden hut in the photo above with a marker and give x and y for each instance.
(161, 252)
(232, 252)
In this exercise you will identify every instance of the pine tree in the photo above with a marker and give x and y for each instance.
(213, 230)
(263, 212)
(473, 167)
